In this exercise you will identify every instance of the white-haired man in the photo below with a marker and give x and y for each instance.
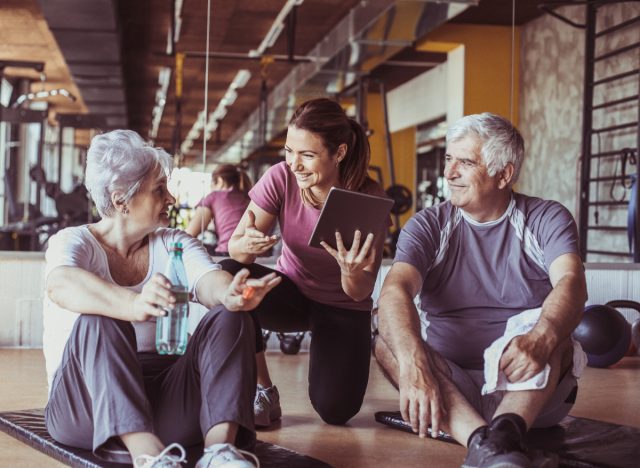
(477, 260)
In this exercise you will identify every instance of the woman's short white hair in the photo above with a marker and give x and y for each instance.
(119, 162)
(501, 142)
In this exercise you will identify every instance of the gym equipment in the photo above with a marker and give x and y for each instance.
(635, 338)
(394, 419)
(604, 334)
(290, 342)
(266, 334)
(402, 198)
(71, 207)
(577, 442)
(634, 347)
(28, 426)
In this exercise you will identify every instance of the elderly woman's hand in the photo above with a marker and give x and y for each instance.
(356, 258)
(254, 241)
(244, 293)
(155, 295)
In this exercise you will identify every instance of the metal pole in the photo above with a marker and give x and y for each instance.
(587, 126)
(392, 173)
(636, 234)
(39, 166)
(60, 133)
(360, 100)
(291, 33)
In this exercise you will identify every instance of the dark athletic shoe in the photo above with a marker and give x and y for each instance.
(495, 449)
(266, 406)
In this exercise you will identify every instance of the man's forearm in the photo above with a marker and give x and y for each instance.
(399, 326)
(562, 309)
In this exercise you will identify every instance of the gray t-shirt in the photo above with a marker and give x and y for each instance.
(477, 275)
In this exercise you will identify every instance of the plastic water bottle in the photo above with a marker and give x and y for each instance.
(171, 330)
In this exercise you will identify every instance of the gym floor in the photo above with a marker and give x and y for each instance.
(605, 394)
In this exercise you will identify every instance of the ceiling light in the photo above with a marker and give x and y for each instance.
(164, 77)
(241, 79)
(230, 97)
(211, 126)
(42, 95)
(276, 28)
(219, 113)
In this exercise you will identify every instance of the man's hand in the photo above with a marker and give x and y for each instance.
(524, 357)
(244, 293)
(421, 400)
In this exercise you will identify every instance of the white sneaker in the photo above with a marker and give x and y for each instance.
(266, 406)
(163, 460)
(227, 456)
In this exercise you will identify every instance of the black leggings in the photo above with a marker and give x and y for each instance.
(340, 343)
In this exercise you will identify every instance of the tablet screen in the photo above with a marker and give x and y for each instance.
(346, 211)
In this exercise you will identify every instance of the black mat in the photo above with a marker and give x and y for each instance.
(28, 427)
(578, 442)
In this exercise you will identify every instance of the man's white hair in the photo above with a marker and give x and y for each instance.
(500, 142)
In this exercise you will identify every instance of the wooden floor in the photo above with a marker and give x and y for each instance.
(606, 394)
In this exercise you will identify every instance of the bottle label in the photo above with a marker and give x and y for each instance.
(180, 294)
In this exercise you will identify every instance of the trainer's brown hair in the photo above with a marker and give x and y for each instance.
(328, 120)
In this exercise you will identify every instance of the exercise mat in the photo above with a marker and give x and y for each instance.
(28, 427)
(578, 442)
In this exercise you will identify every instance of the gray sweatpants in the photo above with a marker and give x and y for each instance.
(104, 388)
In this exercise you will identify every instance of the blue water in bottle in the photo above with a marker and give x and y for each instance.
(172, 329)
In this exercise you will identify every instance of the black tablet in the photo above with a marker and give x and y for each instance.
(346, 211)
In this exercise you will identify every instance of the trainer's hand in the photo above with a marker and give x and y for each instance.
(421, 400)
(524, 357)
(244, 293)
(155, 296)
(254, 241)
(356, 258)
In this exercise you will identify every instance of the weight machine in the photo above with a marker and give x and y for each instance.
(23, 224)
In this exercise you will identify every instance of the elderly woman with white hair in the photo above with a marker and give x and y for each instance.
(104, 291)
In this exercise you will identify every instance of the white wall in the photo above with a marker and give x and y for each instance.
(433, 94)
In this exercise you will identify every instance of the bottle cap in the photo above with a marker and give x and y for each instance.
(175, 246)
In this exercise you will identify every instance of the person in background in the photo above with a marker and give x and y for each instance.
(104, 290)
(224, 205)
(324, 290)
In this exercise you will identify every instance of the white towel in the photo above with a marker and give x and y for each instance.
(520, 324)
